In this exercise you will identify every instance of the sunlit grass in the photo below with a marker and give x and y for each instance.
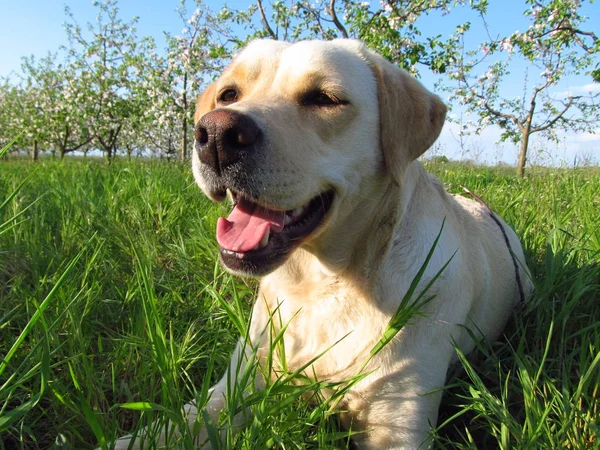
(111, 294)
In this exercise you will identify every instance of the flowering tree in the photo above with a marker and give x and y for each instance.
(50, 115)
(555, 46)
(394, 32)
(116, 92)
(192, 57)
(391, 29)
(106, 67)
(11, 103)
(171, 82)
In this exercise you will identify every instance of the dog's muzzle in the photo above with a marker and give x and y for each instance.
(225, 137)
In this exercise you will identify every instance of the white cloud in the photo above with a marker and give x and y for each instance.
(586, 137)
(590, 88)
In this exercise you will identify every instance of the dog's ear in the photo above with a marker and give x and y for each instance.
(411, 117)
(205, 103)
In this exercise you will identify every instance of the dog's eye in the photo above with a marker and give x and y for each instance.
(320, 98)
(228, 96)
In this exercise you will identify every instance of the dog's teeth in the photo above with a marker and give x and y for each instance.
(291, 216)
(265, 239)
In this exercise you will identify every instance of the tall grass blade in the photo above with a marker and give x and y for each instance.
(12, 416)
(9, 145)
(38, 314)
(408, 308)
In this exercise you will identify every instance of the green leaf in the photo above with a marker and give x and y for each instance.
(141, 406)
(9, 145)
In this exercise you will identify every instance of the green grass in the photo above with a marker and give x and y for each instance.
(111, 294)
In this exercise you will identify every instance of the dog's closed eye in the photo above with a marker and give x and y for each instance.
(321, 99)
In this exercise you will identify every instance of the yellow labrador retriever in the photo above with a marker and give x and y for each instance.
(316, 144)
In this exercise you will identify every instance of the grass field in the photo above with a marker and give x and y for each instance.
(111, 294)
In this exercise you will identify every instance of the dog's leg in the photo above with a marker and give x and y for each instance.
(229, 384)
(216, 403)
(397, 411)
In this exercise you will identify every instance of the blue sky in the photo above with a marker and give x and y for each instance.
(36, 27)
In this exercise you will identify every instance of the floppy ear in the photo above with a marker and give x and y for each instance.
(205, 103)
(411, 117)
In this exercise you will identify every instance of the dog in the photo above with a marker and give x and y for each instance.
(316, 144)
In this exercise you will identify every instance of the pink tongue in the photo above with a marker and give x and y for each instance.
(246, 226)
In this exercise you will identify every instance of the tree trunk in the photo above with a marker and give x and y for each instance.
(523, 153)
(36, 150)
(184, 136)
(525, 133)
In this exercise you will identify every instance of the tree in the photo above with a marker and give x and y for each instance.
(12, 99)
(107, 66)
(391, 30)
(555, 46)
(53, 95)
(191, 59)
(171, 82)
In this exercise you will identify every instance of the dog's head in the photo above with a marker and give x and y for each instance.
(297, 134)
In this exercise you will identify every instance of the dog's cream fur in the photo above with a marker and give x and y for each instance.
(348, 278)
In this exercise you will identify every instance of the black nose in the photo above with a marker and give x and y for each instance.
(224, 137)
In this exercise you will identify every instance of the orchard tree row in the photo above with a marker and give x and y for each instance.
(113, 91)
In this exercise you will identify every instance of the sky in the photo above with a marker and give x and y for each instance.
(31, 27)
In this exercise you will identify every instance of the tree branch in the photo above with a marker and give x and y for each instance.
(77, 147)
(487, 106)
(556, 119)
(263, 19)
(496, 113)
(317, 18)
(575, 34)
(336, 21)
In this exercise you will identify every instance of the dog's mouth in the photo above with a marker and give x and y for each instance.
(256, 238)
